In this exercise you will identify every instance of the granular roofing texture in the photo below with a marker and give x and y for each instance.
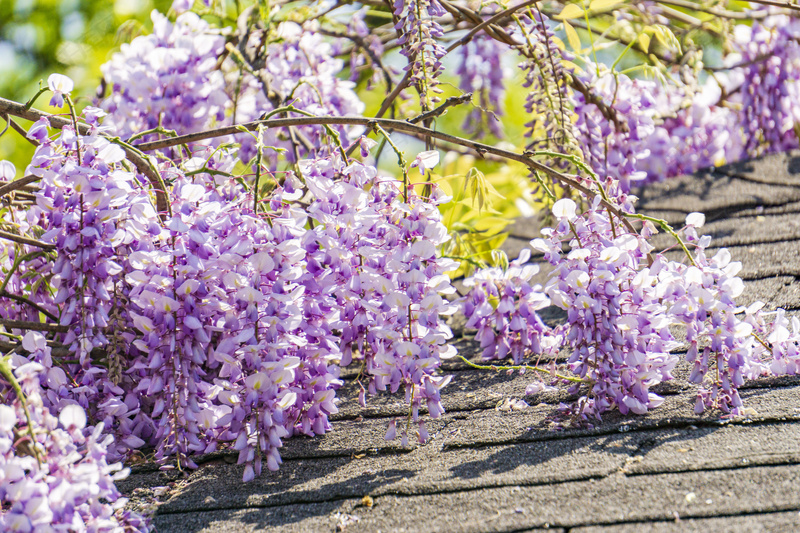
(491, 468)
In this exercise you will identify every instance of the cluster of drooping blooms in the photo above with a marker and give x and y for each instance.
(54, 472)
(608, 149)
(621, 302)
(300, 71)
(769, 89)
(367, 52)
(501, 306)
(784, 356)
(93, 212)
(419, 37)
(219, 302)
(548, 96)
(616, 328)
(380, 250)
(674, 129)
(224, 320)
(24, 273)
(666, 129)
(216, 324)
(689, 136)
(701, 296)
(481, 72)
(167, 79)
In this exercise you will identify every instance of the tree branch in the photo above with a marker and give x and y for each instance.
(17, 184)
(22, 299)
(395, 125)
(33, 326)
(25, 240)
(19, 110)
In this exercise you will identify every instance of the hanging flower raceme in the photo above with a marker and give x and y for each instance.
(617, 328)
(502, 306)
(610, 150)
(549, 98)
(168, 79)
(301, 70)
(419, 32)
(767, 87)
(94, 212)
(54, 467)
(722, 347)
(375, 255)
(481, 72)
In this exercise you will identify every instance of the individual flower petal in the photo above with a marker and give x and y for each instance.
(695, 219)
(60, 85)
(426, 161)
(73, 417)
(565, 208)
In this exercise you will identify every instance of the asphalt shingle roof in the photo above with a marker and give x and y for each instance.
(487, 468)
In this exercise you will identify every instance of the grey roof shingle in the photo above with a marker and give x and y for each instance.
(487, 469)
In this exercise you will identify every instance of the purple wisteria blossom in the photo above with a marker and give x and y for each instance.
(768, 86)
(617, 329)
(419, 34)
(481, 72)
(302, 73)
(168, 79)
(54, 472)
(502, 305)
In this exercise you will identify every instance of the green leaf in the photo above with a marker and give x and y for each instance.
(602, 5)
(500, 259)
(644, 42)
(570, 11)
(572, 37)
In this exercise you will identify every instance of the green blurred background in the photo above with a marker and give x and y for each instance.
(72, 37)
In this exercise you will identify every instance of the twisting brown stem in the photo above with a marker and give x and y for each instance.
(17, 184)
(25, 240)
(787, 5)
(22, 299)
(34, 326)
(142, 165)
(391, 125)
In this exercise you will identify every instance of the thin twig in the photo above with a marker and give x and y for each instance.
(396, 125)
(787, 5)
(440, 110)
(25, 240)
(22, 299)
(722, 13)
(18, 184)
(142, 165)
(33, 326)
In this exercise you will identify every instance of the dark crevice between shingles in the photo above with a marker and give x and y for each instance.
(288, 455)
(790, 458)
(568, 529)
(393, 494)
(749, 178)
(682, 423)
(499, 484)
(772, 383)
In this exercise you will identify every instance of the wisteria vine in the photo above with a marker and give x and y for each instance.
(188, 264)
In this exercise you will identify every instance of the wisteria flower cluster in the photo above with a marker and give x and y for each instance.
(621, 302)
(54, 469)
(481, 72)
(300, 70)
(502, 305)
(420, 32)
(672, 129)
(176, 298)
(167, 79)
(214, 324)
